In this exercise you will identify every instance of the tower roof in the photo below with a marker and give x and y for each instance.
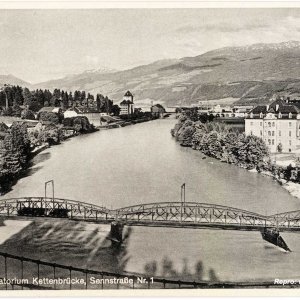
(128, 94)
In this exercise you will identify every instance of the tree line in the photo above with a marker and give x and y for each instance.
(221, 141)
(14, 154)
(12, 98)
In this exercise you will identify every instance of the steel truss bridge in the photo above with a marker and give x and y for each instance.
(167, 214)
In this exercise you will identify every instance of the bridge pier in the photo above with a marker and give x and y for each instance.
(116, 233)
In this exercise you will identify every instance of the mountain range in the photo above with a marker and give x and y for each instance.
(244, 75)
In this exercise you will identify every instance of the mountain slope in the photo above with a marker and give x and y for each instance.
(251, 73)
(10, 79)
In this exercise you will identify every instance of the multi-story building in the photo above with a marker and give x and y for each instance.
(278, 124)
(127, 105)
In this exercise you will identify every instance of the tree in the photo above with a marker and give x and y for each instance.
(186, 135)
(71, 100)
(27, 114)
(48, 117)
(28, 97)
(50, 134)
(82, 97)
(77, 97)
(65, 100)
(16, 111)
(7, 111)
(115, 110)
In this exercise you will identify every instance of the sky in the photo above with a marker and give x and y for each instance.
(39, 45)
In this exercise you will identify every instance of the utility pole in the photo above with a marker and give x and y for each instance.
(182, 198)
(183, 193)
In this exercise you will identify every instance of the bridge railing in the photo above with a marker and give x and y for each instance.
(57, 207)
(176, 213)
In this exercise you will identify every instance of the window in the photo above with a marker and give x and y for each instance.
(279, 132)
(272, 142)
(260, 123)
(269, 124)
(269, 133)
(261, 132)
(290, 133)
(269, 141)
(273, 124)
(273, 133)
(290, 124)
(251, 123)
(251, 132)
(290, 142)
(290, 115)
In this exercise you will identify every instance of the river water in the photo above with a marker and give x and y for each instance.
(144, 164)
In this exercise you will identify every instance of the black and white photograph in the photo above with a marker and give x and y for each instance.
(149, 148)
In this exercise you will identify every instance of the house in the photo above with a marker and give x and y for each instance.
(278, 124)
(127, 105)
(92, 114)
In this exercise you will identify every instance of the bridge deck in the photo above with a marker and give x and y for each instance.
(167, 214)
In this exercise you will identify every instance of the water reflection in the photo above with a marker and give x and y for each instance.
(187, 273)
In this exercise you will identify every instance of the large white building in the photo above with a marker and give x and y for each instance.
(278, 124)
(127, 105)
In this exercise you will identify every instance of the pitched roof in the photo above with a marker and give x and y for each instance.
(49, 109)
(126, 102)
(276, 107)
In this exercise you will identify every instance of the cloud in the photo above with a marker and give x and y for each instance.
(91, 60)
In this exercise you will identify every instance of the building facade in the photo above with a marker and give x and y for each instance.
(277, 124)
(127, 105)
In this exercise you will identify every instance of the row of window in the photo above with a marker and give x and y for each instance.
(272, 142)
(261, 115)
(270, 124)
(272, 133)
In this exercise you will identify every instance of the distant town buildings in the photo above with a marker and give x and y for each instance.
(278, 124)
(127, 105)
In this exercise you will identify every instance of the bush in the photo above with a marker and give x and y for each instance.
(45, 116)
(27, 114)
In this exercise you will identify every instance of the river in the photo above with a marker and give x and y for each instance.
(143, 164)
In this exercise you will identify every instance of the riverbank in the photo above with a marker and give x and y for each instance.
(224, 143)
(31, 141)
(292, 187)
(127, 122)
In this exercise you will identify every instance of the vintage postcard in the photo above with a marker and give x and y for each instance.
(149, 148)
